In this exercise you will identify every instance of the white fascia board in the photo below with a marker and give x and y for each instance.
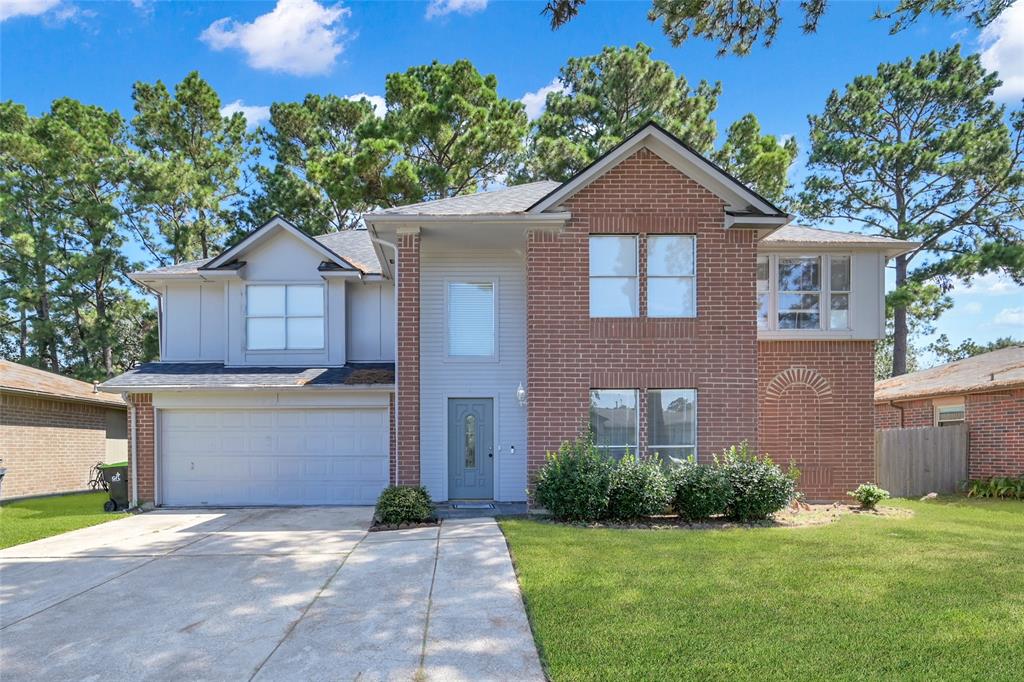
(889, 250)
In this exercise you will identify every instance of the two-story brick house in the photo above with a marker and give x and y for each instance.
(652, 295)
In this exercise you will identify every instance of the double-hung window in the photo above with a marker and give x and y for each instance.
(614, 279)
(799, 292)
(671, 276)
(764, 295)
(672, 423)
(471, 319)
(839, 292)
(284, 317)
(614, 420)
(803, 292)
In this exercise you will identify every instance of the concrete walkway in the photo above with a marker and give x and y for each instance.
(266, 594)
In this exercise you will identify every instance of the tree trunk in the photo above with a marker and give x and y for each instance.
(22, 334)
(103, 324)
(899, 324)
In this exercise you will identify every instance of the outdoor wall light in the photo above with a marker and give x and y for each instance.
(521, 394)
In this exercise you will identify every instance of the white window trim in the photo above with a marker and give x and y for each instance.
(652, 447)
(693, 278)
(635, 446)
(940, 404)
(285, 317)
(824, 293)
(635, 276)
(493, 357)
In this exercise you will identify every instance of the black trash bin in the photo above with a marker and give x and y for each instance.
(116, 477)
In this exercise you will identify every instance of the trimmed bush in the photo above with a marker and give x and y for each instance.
(638, 488)
(403, 504)
(759, 487)
(869, 495)
(574, 483)
(699, 491)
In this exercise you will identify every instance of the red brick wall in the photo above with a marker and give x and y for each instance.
(568, 353)
(909, 414)
(145, 441)
(817, 408)
(49, 446)
(408, 312)
(887, 417)
(995, 423)
(392, 443)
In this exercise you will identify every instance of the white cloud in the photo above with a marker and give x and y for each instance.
(300, 37)
(990, 284)
(1011, 316)
(254, 114)
(380, 107)
(972, 308)
(25, 8)
(440, 8)
(1003, 50)
(534, 101)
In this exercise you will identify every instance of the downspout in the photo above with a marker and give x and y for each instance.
(394, 277)
(134, 502)
(894, 406)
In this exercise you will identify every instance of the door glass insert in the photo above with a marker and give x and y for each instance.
(470, 442)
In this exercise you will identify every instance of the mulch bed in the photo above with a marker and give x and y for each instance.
(378, 527)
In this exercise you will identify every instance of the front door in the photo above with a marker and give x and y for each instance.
(470, 448)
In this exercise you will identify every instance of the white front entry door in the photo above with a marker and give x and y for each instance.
(273, 456)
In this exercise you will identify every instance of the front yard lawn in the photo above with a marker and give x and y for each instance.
(939, 595)
(28, 520)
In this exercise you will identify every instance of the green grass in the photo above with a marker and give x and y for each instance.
(939, 595)
(28, 520)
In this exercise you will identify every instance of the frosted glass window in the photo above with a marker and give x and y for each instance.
(284, 317)
(305, 301)
(265, 333)
(305, 332)
(613, 277)
(471, 319)
(264, 300)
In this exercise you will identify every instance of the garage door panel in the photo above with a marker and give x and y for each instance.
(288, 457)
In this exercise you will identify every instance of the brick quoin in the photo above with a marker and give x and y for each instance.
(145, 441)
(817, 409)
(568, 353)
(408, 360)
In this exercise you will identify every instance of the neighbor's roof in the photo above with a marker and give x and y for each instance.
(353, 245)
(195, 375)
(999, 369)
(802, 235)
(507, 201)
(31, 381)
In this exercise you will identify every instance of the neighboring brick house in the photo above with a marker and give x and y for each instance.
(985, 391)
(652, 294)
(53, 430)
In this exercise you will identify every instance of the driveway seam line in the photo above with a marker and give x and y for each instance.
(421, 672)
(121, 575)
(291, 628)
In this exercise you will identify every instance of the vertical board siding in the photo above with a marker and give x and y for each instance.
(917, 461)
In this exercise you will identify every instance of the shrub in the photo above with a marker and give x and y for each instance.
(759, 487)
(869, 495)
(402, 504)
(574, 483)
(1004, 486)
(638, 488)
(699, 491)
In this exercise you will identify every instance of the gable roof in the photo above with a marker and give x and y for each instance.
(998, 369)
(18, 378)
(816, 237)
(276, 224)
(505, 201)
(354, 246)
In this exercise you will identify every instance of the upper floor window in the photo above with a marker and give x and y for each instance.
(803, 292)
(284, 317)
(671, 275)
(614, 277)
(614, 420)
(471, 319)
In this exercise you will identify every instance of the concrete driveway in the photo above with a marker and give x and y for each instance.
(267, 594)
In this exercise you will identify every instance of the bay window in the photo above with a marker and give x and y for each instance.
(671, 275)
(613, 277)
(284, 317)
(471, 319)
(614, 420)
(801, 292)
(799, 299)
(672, 423)
(839, 298)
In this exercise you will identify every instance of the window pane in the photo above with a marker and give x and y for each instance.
(264, 300)
(610, 256)
(799, 274)
(613, 297)
(470, 441)
(671, 417)
(839, 312)
(670, 297)
(471, 319)
(306, 300)
(264, 333)
(613, 417)
(840, 273)
(762, 311)
(673, 457)
(799, 321)
(305, 332)
(801, 302)
(762, 273)
(670, 255)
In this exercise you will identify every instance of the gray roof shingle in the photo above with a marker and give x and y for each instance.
(802, 234)
(515, 199)
(194, 375)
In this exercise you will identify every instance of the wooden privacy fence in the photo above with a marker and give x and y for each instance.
(915, 462)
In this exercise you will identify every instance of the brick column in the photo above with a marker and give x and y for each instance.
(144, 440)
(408, 357)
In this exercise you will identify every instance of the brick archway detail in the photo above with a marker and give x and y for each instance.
(802, 376)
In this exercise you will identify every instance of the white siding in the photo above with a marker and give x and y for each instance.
(193, 322)
(370, 321)
(442, 377)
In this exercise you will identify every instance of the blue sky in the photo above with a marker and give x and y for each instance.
(255, 53)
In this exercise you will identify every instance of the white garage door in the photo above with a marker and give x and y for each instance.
(266, 457)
